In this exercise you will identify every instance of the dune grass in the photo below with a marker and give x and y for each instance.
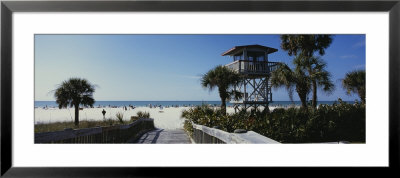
(60, 126)
(144, 114)
(120, 117)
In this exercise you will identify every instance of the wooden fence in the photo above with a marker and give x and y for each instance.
(199, 136)
(204, 134)
(110, 134)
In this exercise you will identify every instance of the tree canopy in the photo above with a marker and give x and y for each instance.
(305, 44)
(223, 78)
(292, 80)
(315, 69)
(303, 48)
(75, 92)
(354, 82)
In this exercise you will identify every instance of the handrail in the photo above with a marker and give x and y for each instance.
(204, 134)
(256, 67)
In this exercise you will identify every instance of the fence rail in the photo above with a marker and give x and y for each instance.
(110, 134)
(252, 67)
(204, 134)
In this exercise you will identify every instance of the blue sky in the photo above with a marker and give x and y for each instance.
(166, 67)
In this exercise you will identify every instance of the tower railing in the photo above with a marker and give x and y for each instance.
(252, 67)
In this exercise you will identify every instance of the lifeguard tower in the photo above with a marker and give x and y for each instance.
(251, 62)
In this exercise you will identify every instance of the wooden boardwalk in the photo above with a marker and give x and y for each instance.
(161, 136)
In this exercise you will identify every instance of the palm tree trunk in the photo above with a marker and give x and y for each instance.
(303, 97)
(223, 96)
(76, 114)
(303, 100)
(223, 106)
(314, 98)
(302, 90)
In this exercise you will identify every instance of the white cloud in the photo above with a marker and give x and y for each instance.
(361, 66)
(359, 44)
(348, 56)
(190, 76)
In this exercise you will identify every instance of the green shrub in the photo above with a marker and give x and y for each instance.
(141, 114)
(328, 123)
(188, 127)
(109, 121)
(134, 118)
(120, 117)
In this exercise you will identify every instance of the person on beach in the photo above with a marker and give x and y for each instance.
(104, 114)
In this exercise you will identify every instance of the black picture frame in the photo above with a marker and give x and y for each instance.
(8, 7)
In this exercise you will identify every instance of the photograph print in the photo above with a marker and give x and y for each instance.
(199, 89)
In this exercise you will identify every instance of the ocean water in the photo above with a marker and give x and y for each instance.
(170, 103)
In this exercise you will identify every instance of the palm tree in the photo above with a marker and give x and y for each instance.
(319, 76)
(305, 46)
(283, 76)
(75, 92)
(223, 78)
(354, 82)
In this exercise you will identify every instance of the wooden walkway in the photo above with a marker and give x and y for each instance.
(161, 136)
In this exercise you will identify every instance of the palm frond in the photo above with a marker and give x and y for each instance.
(74, 91)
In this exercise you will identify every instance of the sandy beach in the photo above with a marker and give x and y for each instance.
(166, 118)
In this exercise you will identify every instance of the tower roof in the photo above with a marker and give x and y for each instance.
(236, 49)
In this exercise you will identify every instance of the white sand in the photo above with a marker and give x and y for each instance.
(169, 118)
